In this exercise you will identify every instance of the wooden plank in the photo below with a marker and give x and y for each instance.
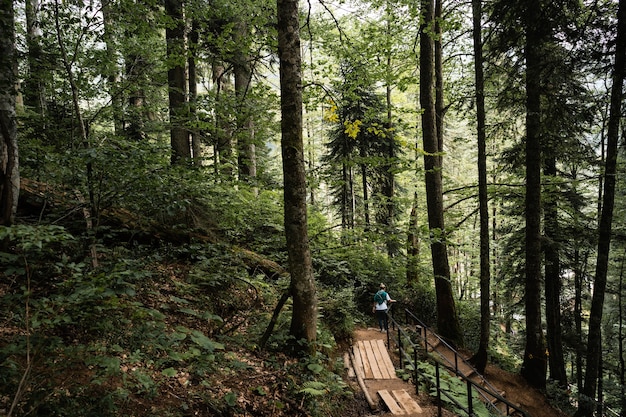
(367, 369)
(372, 360)
(387, 359)
(390, 402)
(348, 366)
(380, 355)
(407, 402)
(358, 366)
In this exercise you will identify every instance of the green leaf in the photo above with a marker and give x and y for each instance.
(231, 399)
(171, 372)
(203, 341)
(315, 368)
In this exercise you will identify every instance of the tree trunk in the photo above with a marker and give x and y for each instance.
(364, 185)
(35, 86)
(413, 246)
(553, 280)
(586, 405)
(246, 152)
(223, 132)
(135, 129)
(9, 160)
(194, 135)
(447, 320)
(620, 338)
(304, 317)
(535, 360)
(578, 325)
(176, 81)
(480, 357)
(112, 68)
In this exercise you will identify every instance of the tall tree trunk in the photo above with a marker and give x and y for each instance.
(578, 322)
(9, 160)
(364, 184)
(35, 86)
(246, 152)
(480, 357)
(304, 316)
(176, 81)
(447, 320)
(93, 209)
(194, 135)
(535, 360)
(389, 179)
(223, 132)
(620, 338)
(586, 406)
(413, 246)
(112, 68)
(553, 279)
(136, 113)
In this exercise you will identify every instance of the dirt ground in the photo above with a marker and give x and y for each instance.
(515, 387)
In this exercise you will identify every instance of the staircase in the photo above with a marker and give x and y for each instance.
(371, 365)
(436, 348)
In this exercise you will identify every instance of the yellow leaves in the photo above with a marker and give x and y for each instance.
(352, 129)
(331, 115)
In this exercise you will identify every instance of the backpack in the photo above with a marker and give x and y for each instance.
(380, 297)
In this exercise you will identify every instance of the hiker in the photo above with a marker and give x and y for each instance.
(381, 298)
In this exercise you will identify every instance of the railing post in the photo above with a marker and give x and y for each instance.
(438, 388)
(400, 348)
(415, 375)
(470, 406)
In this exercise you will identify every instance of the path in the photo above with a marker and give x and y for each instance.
(372, 367)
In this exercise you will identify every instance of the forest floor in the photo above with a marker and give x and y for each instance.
(516, 389)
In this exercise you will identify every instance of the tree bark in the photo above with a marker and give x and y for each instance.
(112, 67)
(594, 353)
(246, 152)
(535, 360)
(9, 158)
(413, 246)
(223, 132)
(304, 316)
(194, 135)
(480, 357)
(176, 81)
(553, 280)
(35, 86)
(447, 320)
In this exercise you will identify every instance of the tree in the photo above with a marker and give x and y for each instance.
(535, 359)
(177, 81)
(594, 338)
(9, 160)
(480, 357)
(447, 320)
(246, 152)
(304, 315)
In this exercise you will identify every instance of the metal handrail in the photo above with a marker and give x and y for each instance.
(408, 313)
(482, 391)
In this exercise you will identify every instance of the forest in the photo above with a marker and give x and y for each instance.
(198, 199)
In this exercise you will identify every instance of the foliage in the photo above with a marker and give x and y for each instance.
(338, 312)
(455, 389)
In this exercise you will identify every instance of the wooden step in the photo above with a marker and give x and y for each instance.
(372, 360)
(399, 402)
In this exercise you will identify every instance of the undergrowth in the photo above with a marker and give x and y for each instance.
(169, 332)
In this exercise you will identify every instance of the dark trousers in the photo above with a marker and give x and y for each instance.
(381, 316)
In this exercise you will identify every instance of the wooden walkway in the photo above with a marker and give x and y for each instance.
(372, 365)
